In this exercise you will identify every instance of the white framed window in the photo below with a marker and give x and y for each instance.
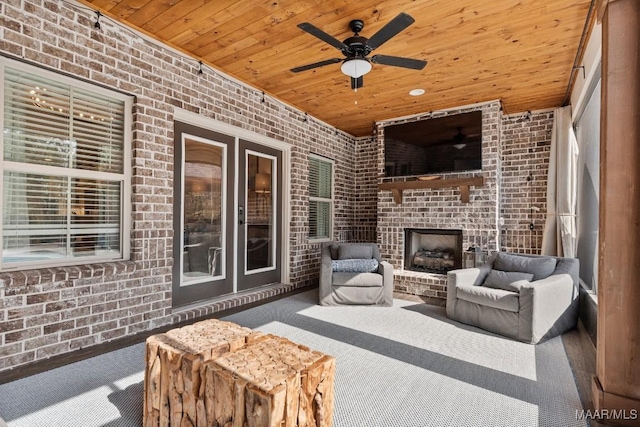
(321, 181)
(65, 170)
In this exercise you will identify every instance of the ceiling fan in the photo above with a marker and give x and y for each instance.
(357, 48)
(458, 138)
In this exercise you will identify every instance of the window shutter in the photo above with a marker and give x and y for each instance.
(320, 198)
(319, 219)
(314, 168)
(319, 178)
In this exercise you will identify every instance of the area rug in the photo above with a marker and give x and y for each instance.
(407, 365)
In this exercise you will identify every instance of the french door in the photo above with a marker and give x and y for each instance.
(259, 218)
(227, 224)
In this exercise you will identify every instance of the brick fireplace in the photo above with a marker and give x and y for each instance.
(515, 158)
(476, 222)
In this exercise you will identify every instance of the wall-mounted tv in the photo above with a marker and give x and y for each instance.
(445, 144)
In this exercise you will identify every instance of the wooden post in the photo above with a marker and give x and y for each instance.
(617, 384)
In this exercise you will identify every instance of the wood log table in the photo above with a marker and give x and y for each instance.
(270, 382)
(172, 381)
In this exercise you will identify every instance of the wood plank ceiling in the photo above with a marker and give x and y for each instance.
(519, 51)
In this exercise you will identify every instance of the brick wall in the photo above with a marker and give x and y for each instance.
(526, 140)
(366, 190)
(56, 310)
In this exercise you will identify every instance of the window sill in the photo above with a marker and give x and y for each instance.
(589, 292)
(318, 240)
(41, 276)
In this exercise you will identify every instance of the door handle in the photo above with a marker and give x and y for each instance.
(240, 215)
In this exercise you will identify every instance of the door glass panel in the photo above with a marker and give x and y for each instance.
(260, 213)
(204, 181)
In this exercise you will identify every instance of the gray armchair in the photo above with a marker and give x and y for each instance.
(526, 297)
(353, 273)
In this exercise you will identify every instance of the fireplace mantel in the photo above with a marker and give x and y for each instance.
(462, 183)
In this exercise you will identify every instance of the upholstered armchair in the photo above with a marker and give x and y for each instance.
(526, 297)
(354, 273)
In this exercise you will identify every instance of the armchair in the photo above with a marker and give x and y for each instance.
(354, 273)
(526, 297)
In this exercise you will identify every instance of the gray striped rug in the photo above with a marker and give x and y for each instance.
(407, 365)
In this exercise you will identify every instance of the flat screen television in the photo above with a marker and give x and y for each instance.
(444, 144)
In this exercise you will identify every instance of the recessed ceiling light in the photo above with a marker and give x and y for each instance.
(416, 92)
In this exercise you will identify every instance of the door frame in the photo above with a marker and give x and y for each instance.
(239, 133)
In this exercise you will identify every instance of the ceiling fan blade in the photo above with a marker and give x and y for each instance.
(392, 28)
(316, 65)
(357, 83)
(315, 31)
(397, 61)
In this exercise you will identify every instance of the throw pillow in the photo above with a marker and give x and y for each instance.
(355, 265)
(508, 281)
(540, 267)
(355, 252)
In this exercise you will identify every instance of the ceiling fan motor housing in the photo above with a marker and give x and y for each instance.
(357, 47)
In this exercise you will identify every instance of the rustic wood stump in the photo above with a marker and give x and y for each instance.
(270, 382)
(172, 382)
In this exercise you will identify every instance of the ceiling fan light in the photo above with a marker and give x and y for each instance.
(459, 146)
(356, 67)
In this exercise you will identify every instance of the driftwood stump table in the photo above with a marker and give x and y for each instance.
(271, 382)
(173, 370)
(216, 373)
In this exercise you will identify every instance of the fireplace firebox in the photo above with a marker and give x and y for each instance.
(432, 250)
